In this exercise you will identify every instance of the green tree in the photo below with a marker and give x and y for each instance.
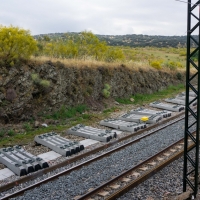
(16, 44)
(90, 45)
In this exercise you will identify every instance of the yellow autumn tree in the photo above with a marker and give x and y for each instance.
(16, 44)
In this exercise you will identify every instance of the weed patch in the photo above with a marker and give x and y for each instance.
(147, 98)
(109, 110)
(11, 132)
(65, 112)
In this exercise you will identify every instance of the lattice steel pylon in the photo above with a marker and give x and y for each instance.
(191, 156)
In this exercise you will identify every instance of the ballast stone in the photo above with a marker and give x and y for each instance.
(101, 135)
(167, 106)
(144, 111)
(151, 119)
(59, 144)
(122, 125)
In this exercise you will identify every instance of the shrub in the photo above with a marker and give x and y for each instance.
(106, 91)
(35, 78)
(70, 112)
(16, 44)
(2, 133)
(156, 64)
(40, 82)
(44, 83)
(11, 132)
(179, 76)
(107, 86)
(173, 65)
(27, 126)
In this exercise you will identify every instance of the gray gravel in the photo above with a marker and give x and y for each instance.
(166, 184)
(80, 181)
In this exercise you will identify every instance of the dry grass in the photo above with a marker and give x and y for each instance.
(136, 65)
(91, 63)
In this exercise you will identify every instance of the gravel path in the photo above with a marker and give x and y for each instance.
(80, 181)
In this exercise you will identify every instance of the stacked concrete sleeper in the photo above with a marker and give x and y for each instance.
(152, 119)
(20, 161)
(148, 112)
(167, 106)
(59, 144)
(92, 133)
(122, 125)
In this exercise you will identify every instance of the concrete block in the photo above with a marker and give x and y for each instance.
(191, 93)
(12, 165)
(42, 163)
(59, 144)
(10, 154)
(167, 106)
(92, 133)
(122, 125)
(175, 101)
(51, 155)
(150, 119)
(183, 97)
(5, 173)
(88, 142)
(149, 112)
(20, 161)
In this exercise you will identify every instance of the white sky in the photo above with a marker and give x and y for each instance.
(106, 17)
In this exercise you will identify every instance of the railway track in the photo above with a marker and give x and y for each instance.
(152, 129)
(129, 179)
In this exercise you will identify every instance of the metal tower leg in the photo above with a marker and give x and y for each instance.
(191, 157)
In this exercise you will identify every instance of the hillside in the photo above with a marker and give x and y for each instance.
(25, 94)
(131, 40)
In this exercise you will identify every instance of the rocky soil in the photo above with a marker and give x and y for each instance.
(24, 98)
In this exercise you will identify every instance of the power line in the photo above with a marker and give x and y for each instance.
(187, 2)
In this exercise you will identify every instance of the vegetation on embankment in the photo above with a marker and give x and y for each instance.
(68, 117)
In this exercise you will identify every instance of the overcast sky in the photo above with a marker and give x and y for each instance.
(107, 17)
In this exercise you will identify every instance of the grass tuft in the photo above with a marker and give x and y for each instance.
(147, 98)
(65, 112)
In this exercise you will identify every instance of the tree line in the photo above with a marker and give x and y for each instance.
(17, 44)
(84, 45)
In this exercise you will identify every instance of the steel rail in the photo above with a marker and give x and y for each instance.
(147, 175)
(64, 172)
(127, 172)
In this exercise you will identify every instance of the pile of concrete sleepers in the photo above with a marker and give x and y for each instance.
(20, 161)
(122, 125)
(101, 135)
(59, 144)
(149, 112)
(191, 93)
(130, 117)
(167, 106)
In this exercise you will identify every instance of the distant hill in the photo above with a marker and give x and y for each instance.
(131, 40)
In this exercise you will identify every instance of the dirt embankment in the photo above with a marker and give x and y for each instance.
(22, 97)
